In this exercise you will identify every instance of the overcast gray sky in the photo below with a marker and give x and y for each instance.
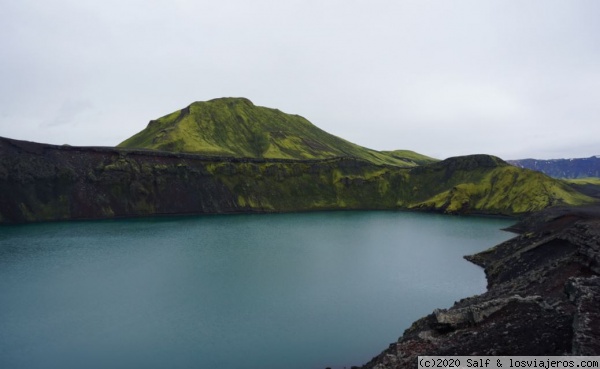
(511, 78)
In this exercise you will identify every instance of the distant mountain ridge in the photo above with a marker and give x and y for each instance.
(563, 168)
(238, 128)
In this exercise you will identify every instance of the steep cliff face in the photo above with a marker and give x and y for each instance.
(542, 298)
(44, 182)
(47, 182)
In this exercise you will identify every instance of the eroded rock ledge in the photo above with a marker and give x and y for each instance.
(542, 299)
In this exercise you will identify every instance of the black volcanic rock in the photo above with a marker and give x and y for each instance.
(542, 299)
(585, 294)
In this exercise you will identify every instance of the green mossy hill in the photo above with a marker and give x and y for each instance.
(235, 127)
(589, 186)
(582, 181)
(411, 156)
(477, 183)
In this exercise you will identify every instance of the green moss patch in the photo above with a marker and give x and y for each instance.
(236, 127)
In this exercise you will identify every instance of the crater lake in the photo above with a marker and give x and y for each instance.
(299, 291)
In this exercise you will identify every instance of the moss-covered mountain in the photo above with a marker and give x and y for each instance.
(236, 127)
(47, 182)
(483, 182)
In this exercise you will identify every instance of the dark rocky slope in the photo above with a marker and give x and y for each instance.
(542, 299)
(46, 182)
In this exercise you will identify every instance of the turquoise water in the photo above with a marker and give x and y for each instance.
(233, 292)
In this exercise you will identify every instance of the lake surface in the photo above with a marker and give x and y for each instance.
(230, 292)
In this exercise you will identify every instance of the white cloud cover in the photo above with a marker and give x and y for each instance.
(506, 77)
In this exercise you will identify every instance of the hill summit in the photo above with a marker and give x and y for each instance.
(236, 127)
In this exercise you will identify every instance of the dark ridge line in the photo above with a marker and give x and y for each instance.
(35, 147)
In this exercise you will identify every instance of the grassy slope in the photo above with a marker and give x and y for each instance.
(589, 186)
(583, 181)
(236, 127)
(409, 155)
(506, 190)
(483, 183)
(470, 184)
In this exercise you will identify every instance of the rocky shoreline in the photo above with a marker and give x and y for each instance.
(542, 299)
